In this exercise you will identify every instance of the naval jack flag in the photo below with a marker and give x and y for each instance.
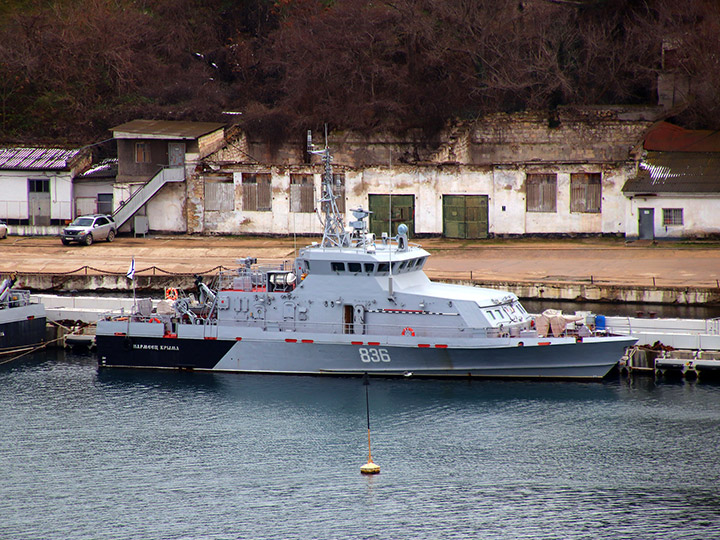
(131, 270)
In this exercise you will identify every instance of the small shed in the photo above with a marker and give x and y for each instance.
(674, 195)
(36, 187)
(676, 192)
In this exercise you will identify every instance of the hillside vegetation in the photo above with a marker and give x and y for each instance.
(71, 69)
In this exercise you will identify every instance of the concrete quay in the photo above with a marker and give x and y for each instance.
(604, 270)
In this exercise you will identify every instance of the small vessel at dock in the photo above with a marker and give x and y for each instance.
(22, 322)
(348, 305)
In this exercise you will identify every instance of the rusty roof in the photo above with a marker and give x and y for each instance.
(164, 129)
(677, 172)
(666, 137)
(35, 158)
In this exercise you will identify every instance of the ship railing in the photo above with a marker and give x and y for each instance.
(253, 278)
(430, 332)
(15, 298)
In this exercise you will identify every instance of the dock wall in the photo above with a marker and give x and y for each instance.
(548, 290)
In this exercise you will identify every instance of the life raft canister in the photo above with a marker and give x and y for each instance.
(171, 293)
(408, 330)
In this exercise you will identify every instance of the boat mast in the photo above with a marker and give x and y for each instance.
(333, 229)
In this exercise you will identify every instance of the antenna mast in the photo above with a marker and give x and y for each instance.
(333, 228)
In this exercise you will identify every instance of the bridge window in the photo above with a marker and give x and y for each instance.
(369, 268)
(337, 266)
(354, 267)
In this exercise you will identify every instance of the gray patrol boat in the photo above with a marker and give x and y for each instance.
(349, 305)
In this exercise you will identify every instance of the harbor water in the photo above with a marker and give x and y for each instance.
(123, 454)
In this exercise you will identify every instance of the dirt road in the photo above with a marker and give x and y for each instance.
(601, 260)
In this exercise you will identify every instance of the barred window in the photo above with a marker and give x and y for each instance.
(541, 192)
(302, 193)
(219, 195)
(586, 192)
(672, 216)
(257, 192)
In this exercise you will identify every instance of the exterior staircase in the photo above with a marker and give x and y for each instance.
(147, 192)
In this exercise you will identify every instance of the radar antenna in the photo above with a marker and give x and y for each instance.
(333, 229)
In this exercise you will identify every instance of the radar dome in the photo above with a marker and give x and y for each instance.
(402, 229)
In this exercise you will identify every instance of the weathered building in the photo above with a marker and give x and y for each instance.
(36, 187)
(504, 174)
(154, 157)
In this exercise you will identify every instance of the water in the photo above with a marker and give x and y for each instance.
(169, 455)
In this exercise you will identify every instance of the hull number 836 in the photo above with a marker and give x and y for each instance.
(374, 355)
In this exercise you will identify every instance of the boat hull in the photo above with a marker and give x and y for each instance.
(562, 359)
(21, 327)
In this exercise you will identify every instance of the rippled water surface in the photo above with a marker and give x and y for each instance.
(144, 455)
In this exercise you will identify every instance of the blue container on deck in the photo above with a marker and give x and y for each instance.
(599, 322)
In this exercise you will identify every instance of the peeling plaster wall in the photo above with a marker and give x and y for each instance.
(591, 134)
(165, 211)
(488, 157)
(507, 207)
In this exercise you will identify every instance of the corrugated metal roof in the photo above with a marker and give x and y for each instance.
(168, 129)
(677, 172)
(666, 137)
(35, 158)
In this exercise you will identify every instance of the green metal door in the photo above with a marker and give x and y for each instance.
(465, 216)
(402, 208)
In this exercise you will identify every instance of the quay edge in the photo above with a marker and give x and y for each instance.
(51, 283)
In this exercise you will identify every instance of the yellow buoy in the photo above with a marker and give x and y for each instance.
(370, 468)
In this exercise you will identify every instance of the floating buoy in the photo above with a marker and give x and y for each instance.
(370, 468)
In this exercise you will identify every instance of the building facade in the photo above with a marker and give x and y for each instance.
(36, 188)
(505, 174)
(147, 150)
